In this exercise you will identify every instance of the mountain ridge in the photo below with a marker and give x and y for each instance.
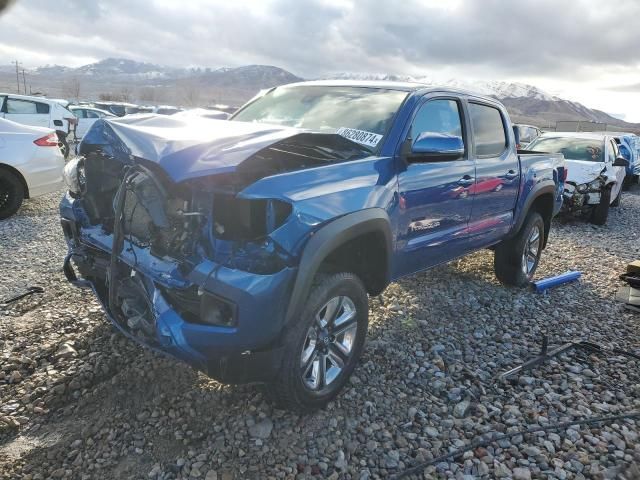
(146, 82)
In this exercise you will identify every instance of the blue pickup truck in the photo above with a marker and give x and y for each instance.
(248, 248)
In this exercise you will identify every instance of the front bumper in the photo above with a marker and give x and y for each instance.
(574, 201)
(249, 351)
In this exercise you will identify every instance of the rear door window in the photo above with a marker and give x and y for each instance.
(42, 108)
(489, 136)
(21, 106)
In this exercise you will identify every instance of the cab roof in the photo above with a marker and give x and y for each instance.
(387, 84)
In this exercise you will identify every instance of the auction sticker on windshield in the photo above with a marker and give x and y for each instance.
(360, 136)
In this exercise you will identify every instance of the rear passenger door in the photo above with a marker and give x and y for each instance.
(26, 112)
(497, 174)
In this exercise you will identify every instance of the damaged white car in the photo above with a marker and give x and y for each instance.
(595, 171)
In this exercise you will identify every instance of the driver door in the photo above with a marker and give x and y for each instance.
(435, 197)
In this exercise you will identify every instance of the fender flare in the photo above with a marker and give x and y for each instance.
(533, 195)
(329, 237)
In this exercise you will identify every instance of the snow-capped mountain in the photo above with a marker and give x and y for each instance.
(526, 103)
(151, 83)
(493, 88)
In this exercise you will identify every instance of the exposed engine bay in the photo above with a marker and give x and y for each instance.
(148, 215)
(204, 216)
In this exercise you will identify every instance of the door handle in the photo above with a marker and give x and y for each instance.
(466, 181)
(511, 174)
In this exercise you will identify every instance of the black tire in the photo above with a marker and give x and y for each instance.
(291, 389)
(509, 259)
(11, 193)
(600, 212)
(616, 202)
(628, 181)
(63, 144)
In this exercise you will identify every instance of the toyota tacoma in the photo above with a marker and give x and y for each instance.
(249, 247)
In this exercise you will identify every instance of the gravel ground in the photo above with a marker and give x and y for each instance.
(78, 400)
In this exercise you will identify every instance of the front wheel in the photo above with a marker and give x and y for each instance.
(516, 260)
(324, 345)
(616, 202)
(600, 212)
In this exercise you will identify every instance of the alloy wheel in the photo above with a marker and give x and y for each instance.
(329, 343)
(531, 250)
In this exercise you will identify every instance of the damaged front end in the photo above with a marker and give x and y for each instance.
(189, 268)
(580, 198)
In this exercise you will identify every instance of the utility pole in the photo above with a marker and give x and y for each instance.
(18, 75)
(24, 82)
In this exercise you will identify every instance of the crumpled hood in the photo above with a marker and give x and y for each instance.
(184, 148)
(581, 171)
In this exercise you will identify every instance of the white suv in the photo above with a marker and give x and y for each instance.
(39, 112)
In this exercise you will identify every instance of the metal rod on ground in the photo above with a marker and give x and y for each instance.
(546, 283)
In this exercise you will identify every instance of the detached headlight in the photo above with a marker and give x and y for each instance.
(74, 177)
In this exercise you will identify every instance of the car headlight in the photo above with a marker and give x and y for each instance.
(73, 175)
(595, 185)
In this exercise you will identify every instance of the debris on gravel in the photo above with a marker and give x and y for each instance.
(79, 400)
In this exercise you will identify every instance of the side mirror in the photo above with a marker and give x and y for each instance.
(621, 162)
(436, 147)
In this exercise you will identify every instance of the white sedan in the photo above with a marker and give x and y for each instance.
(31, 164)
(86, 117)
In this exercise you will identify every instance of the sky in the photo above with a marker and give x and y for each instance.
(583, 50)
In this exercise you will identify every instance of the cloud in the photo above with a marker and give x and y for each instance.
(504, 38)
(631, 88)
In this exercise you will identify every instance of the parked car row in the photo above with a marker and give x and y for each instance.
(40, 112)
(31, 164)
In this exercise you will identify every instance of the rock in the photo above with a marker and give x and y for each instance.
(461, 409)
(432, 432)
(521, 474)
(65, 351)
(211, 475)
(261, 429)
(341, 462)
(501, 470)
(15, 377)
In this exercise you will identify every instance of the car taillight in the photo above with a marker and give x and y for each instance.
(50, 140)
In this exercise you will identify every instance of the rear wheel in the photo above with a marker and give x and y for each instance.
(516, 260)
(11, 193)
(601, 211)
(324, 346)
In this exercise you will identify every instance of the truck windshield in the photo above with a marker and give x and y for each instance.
(361, 114)
(588, 150)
